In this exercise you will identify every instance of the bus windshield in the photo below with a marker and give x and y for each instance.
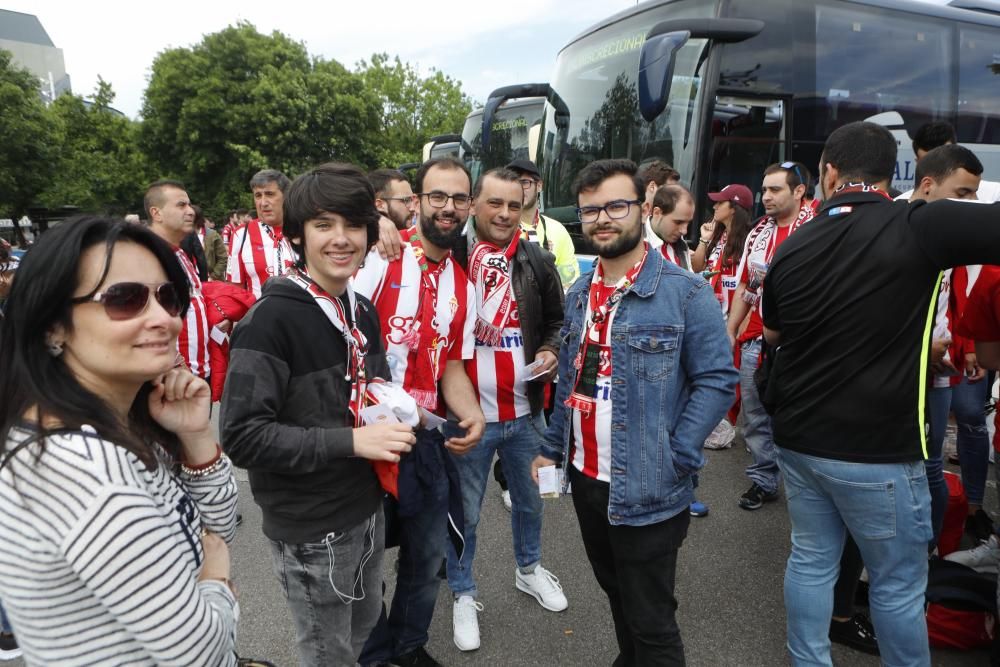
(508, 136)
(596, 78)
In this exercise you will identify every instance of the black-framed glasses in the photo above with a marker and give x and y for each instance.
(440, 199)
(527, 182)
(794, 166)
(616, 210)
(123, 301)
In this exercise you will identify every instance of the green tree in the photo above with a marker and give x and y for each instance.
(28, 140)
(241, 101)
(99, 167)
(414, 108)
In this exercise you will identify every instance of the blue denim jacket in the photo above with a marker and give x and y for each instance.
(672, 380)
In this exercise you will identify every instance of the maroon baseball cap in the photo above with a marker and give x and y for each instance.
(738, 194)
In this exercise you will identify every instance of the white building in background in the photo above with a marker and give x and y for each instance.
(24, 36)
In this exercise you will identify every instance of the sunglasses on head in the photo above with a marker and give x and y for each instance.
(123, 301)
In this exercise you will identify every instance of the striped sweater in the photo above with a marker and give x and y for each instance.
(99, 557)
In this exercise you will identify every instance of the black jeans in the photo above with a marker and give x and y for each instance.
(636, 567)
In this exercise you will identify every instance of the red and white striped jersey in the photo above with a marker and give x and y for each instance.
(258, 252)
(227, 234)
(591, 449)
(394, 289)
(670, 254)
(192, 342)
(497, 373)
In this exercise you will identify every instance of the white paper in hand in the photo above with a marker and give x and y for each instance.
(378, 414)
(548, 482)
(532, 371)
(218, 335)
(431, 420)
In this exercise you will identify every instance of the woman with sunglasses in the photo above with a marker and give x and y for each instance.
(115, 500)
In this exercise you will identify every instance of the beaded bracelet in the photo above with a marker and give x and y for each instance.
(206, 468)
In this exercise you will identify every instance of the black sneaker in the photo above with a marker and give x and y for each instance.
(755, 497)
(8, 647)
(239, 519)
(418, 657)
(856, 633)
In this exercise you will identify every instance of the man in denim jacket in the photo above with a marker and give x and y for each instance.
(645, 373)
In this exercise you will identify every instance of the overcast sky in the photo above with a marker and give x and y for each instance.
(483, 44)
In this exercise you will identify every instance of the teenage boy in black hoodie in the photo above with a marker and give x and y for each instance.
(299, 367)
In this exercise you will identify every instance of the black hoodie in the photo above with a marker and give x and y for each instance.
(285, 415)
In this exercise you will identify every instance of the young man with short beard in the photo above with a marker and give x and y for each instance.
(304, 363)
(426, 307)
(645, 373)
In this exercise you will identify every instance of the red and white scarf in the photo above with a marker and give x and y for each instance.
(587, 361)
(489, 270)
(423, 338)
(357, 344)
(761, 243)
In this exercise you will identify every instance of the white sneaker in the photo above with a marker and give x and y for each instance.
(465, 622)
(506, 500)
(721, 437)
(544, 586)
(985, 558)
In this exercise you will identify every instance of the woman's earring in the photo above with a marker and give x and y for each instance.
(55, 349)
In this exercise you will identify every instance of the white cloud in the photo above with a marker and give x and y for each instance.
(119, 40)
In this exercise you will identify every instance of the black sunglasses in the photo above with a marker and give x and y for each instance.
(123, 301)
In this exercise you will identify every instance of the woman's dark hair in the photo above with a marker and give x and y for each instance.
(739, 227)
(334, 187)
(41, 299)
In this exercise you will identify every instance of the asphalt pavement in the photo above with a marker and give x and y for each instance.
(729, 580)
(729, 586)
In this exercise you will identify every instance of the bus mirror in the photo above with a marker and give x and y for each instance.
(501, 95)
(656, 69)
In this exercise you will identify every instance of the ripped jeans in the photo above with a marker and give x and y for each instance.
(334, 591)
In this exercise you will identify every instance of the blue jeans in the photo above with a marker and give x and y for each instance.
(519, 442)
(764, 471)
(939, 404)
(968, 402)
(333, 591)
(422, 537)
(886, 508)
(5, 622)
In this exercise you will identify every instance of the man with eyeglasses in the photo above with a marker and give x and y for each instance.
(786, 208)
(394, 199)
(171, 217)
(547, 232)
(426, 309)
(519, 306)
(645, 374)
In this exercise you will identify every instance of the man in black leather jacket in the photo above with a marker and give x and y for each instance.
(519, 304)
